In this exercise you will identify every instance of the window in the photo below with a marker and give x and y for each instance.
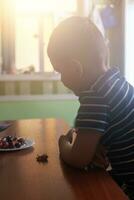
(34, 21)
(25, 28)
(129, 40)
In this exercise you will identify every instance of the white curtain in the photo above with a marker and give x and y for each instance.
(129, 43)
(7, 35)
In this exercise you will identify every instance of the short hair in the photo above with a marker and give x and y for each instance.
(77, 37)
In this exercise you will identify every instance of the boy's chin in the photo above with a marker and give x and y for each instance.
(76, 92)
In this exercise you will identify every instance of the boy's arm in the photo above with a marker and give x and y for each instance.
(81, 152)
(100, 158)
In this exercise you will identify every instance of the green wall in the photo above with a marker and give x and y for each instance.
(65, 109)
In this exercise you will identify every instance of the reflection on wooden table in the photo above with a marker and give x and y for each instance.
(23, 178)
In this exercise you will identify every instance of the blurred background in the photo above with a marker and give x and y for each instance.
(29, 87)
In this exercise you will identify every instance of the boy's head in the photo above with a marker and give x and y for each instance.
(77, 50)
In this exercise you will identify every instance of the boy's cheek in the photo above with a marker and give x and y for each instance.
(70, 82)
(67, 83)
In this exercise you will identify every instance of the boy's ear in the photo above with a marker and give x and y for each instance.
(77, 66)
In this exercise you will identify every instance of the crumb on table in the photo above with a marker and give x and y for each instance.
(42, 158)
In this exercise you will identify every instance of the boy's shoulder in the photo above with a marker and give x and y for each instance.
(109, 75)
(104, 85)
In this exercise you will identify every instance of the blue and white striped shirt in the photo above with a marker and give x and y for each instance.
(108, 107)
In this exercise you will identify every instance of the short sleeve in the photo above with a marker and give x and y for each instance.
(93, 113)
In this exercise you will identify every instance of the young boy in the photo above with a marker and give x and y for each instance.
(78, 51)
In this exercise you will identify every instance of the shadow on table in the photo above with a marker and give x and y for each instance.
(82, 182)
(21, 152)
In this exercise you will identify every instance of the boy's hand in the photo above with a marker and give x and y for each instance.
(66, 138)
(69, 135)
(65, 146)
(73, 147)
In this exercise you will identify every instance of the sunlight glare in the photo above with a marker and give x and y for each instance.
(39, 6)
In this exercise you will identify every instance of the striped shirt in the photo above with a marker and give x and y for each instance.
(108, 107)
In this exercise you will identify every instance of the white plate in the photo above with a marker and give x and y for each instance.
(4, 126)
(28, 143)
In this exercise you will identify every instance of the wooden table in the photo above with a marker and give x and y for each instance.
(23, 178)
